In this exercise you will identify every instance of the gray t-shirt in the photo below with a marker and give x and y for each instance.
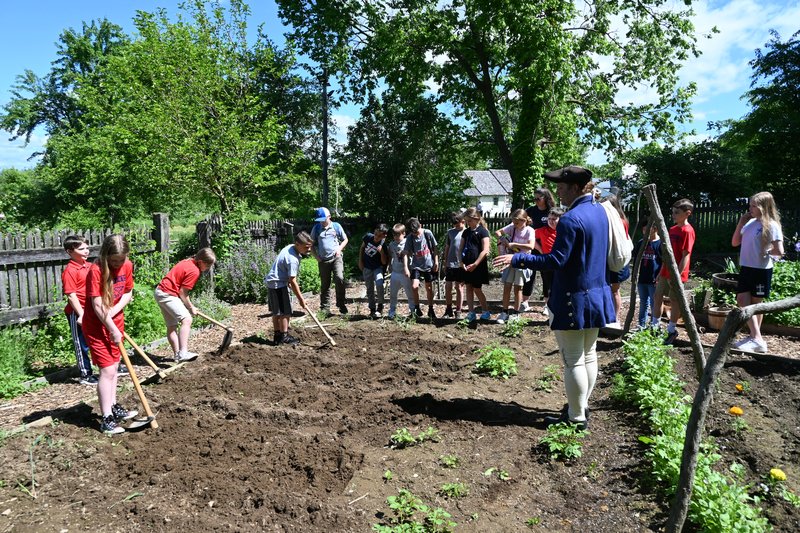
(327, 240)
(453, 253)
(418, 250)
(286, 266)
(395, 253)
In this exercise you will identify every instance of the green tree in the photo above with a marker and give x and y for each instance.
(536, 77)
(402, 159)
(770, 133)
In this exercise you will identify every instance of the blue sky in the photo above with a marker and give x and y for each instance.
(28, 32)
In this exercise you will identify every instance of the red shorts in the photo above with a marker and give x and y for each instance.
(104, 353)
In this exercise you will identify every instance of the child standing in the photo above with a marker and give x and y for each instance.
(371, 262)
(73, 281)
(328, 241)
(454, 273)
(517, 237)
(649, 268)
(543, 202)
(761, 238)
(682, 238)
(109, 286)
(172, 296)
(421, 248)
(474, 256)
(545, 237)
(401, 277)
(281, 276)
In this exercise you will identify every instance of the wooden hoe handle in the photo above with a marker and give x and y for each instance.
(137, 386)
(316, 320)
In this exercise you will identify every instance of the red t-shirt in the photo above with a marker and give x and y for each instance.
(123, 283)
(682, 239)
(183, 275)
(546, 236)
(73, 280)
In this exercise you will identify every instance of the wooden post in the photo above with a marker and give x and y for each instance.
(161, 231)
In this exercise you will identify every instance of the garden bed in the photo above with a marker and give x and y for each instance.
(287, 439)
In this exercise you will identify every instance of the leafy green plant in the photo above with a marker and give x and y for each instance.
(564, 441)
(449, 461)
(463, 324)
(403, 438)
(388, 475)
(533, 521)
(739, 425)
(549, 376)
(308, 276)
(502, 475)
(514, 326)
(496, 361)
(411, 515)
(453, 491)
(240, 277)
(785, 280)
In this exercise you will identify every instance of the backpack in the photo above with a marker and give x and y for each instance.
(620, 246)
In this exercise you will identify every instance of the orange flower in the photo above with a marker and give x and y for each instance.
(739, 387)
(736, 411)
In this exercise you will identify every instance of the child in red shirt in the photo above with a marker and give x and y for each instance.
(73, 281)
(109, 286)
(545, 237)
(172, 295)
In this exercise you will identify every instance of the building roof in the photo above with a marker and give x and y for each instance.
(492, 182)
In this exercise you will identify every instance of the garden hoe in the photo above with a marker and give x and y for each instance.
(151, 418)
(226, 341)
(160, 373)
(319, 325)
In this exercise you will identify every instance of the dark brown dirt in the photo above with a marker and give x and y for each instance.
(265, 438)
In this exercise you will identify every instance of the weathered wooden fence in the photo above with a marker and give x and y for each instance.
(31, 266)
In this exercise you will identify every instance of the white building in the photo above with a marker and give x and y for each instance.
(492, 188)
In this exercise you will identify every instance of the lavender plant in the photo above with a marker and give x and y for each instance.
(240, 277)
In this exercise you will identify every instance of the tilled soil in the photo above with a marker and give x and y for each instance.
(279, 438)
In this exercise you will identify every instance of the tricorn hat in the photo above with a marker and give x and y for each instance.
(570, 174)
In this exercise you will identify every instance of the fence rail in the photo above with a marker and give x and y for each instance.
(31, 266)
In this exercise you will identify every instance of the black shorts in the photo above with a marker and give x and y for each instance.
(756, 281)
(454, 274)
(279, 302)
(426, 275)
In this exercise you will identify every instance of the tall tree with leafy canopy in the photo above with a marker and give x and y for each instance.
(770, 133)
(537, 78)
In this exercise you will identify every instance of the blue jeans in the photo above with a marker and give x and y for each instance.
(647, 293)
(80, 346)
(373, 278)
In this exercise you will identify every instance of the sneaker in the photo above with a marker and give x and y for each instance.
(524, 306)
(448, 313)
(109, 426)
(501, 318)
(373, 315)
(378, 314)
(289, 339)
(343, 310)
(122, 370)
(89, 380)
(486, 315)
(545, 310)
(582, 425)
(457, 315)
(671, 337)
(181, 357)
(739, 344)
(120, 413)
(431, 313)
(418, 312)
(754, 346)
(471, 316)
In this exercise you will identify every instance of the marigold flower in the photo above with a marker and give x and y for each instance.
(739, 387)
(736, 411)
(777, 474)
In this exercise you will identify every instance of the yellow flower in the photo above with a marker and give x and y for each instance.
(777, 474)
(736, 411)
(739, 387)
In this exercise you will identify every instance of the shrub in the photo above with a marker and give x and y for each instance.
(785, 281)
(15, 344)
(240, 277)
(308, 277)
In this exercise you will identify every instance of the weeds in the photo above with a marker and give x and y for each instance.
(549, 377)
(497, 362)
(449, 461)
(564, 441)
(502, 475)
(514, 326)
(453, 491)
(533, 521)
(388, 475)
(738, 425)
(412, 515)
(403, 438)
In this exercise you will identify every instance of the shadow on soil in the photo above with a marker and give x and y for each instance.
(487, 412)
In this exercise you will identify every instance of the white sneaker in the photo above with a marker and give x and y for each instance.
(502, 317)
(181, 357)
(739, 344)
(754, 346)
(524, 306)
(615, 325)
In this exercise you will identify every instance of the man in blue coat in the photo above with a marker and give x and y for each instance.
(580, 300)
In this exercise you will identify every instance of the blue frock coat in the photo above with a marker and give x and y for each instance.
(580, 297)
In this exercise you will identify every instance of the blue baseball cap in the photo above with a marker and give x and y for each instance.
(321, 213)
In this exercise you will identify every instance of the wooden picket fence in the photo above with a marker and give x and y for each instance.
(31, 266)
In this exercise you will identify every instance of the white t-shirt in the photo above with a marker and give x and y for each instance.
(753, 254)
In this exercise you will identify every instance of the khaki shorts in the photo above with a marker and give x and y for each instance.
(172, 308)
(664, 287)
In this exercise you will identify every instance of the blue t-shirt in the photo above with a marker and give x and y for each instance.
(327, 240)
(372, 252)
(286, 266)
(651, 261)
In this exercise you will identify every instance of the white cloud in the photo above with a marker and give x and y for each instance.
(14, 154)
(342, 123)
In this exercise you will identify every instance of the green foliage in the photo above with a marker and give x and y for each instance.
(549, 376)
(514, 326)
(411, 515)
(496, 361)
(308, 276)
(564, 441)
(718, 503)
(533, 521)
(14, 346)
(785, 284)
(403, 438)
(502, 475)
(449, 461)
(240, 278)
(453, 491)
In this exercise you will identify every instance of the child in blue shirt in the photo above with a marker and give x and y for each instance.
(648, 273)
(371, 261)
(281, 276)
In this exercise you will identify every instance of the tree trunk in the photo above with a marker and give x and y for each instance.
(325, 111)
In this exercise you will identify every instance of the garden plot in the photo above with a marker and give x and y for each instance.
(300, 439)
